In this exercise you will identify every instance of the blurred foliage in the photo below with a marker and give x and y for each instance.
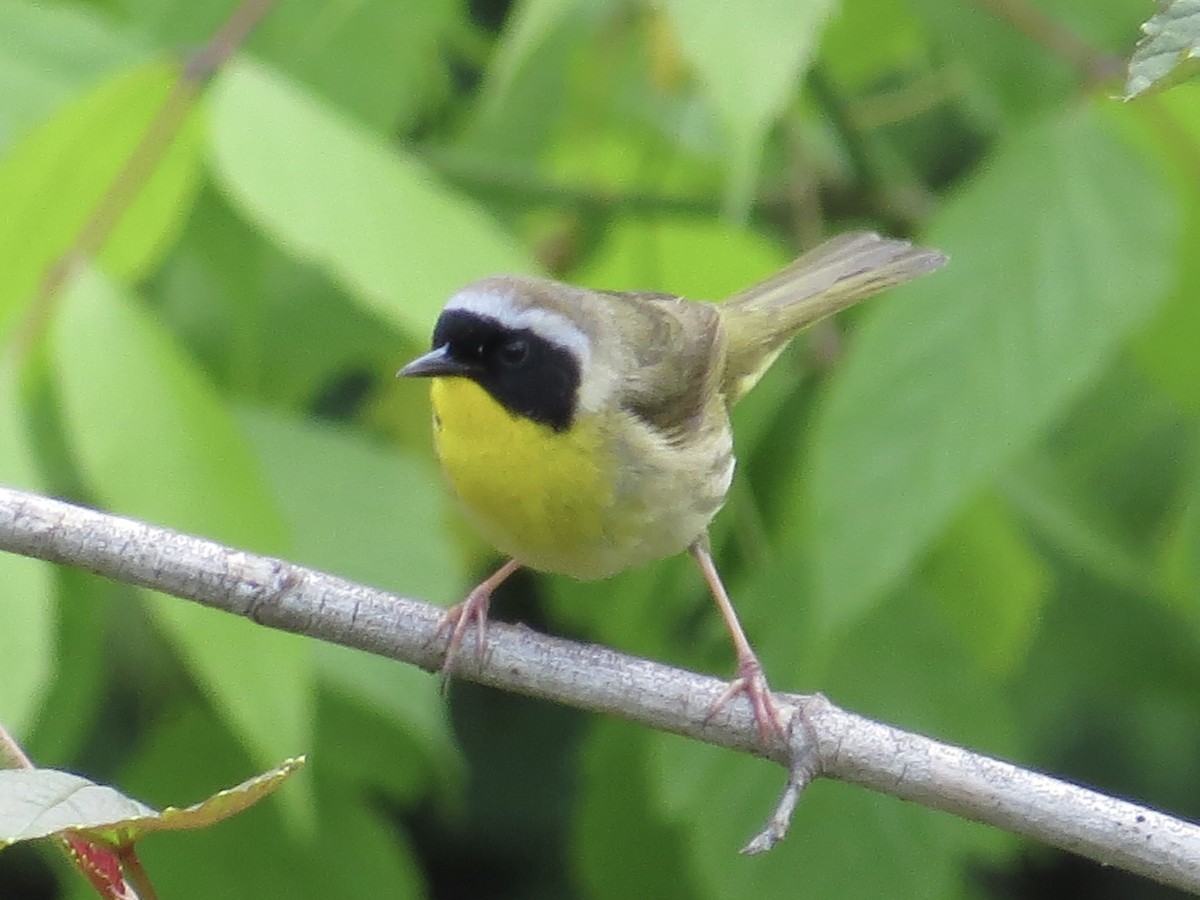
(971, 508)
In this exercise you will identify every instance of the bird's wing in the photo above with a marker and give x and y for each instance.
(673, 358)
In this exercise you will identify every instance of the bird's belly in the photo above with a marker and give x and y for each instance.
(555, 501)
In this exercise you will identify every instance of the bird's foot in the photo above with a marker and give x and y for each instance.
(770, 720)
(457, 619)
(455, 622)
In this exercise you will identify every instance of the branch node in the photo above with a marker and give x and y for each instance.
(804, 766)
(266, 583)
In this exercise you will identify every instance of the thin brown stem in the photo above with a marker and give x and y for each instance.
(11, 754)
(137, 168)
(136, 874)
(1094, 65)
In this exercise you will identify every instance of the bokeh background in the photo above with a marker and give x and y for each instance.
(970, 508)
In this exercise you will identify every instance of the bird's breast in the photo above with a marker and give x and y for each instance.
(587, 501)
(540, 495)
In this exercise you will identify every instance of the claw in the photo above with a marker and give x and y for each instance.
(457, 619)
(772, 724)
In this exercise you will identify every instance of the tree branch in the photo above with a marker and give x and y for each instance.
(830, 742)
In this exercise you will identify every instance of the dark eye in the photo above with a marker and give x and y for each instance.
(513, 352)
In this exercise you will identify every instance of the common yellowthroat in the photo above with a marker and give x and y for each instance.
(585, 432)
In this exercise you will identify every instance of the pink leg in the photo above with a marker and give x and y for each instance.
(750, 679)
(458, 617)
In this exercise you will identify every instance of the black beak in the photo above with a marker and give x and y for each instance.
(434, 363)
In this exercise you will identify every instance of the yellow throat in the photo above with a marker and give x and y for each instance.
(542, 496)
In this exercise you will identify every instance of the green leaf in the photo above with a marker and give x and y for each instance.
(989, 583)
(622, 846)
(73, 699)
(372, 856)
(1099, 649)
(48, 53)
(27, 598)
(700, 259)
(250, 855)
(749, 56)
(52, 180)
(527, 28)
(36, 803)
(1062, 247)
(1181, 558)
(1102, 496)
(153, 441)
(528, 90)
(379, 61)
(356, 508)
(176, 22)
(869, 40)
(999, 74)
(1166, 348)
(148, 429)
(1061, 517)
(376, 517)
(387, 755)
(1169, 51)
(331, 194)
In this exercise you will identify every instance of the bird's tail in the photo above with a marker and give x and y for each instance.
(760, 320)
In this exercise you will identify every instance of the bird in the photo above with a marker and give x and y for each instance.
(585, 432)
